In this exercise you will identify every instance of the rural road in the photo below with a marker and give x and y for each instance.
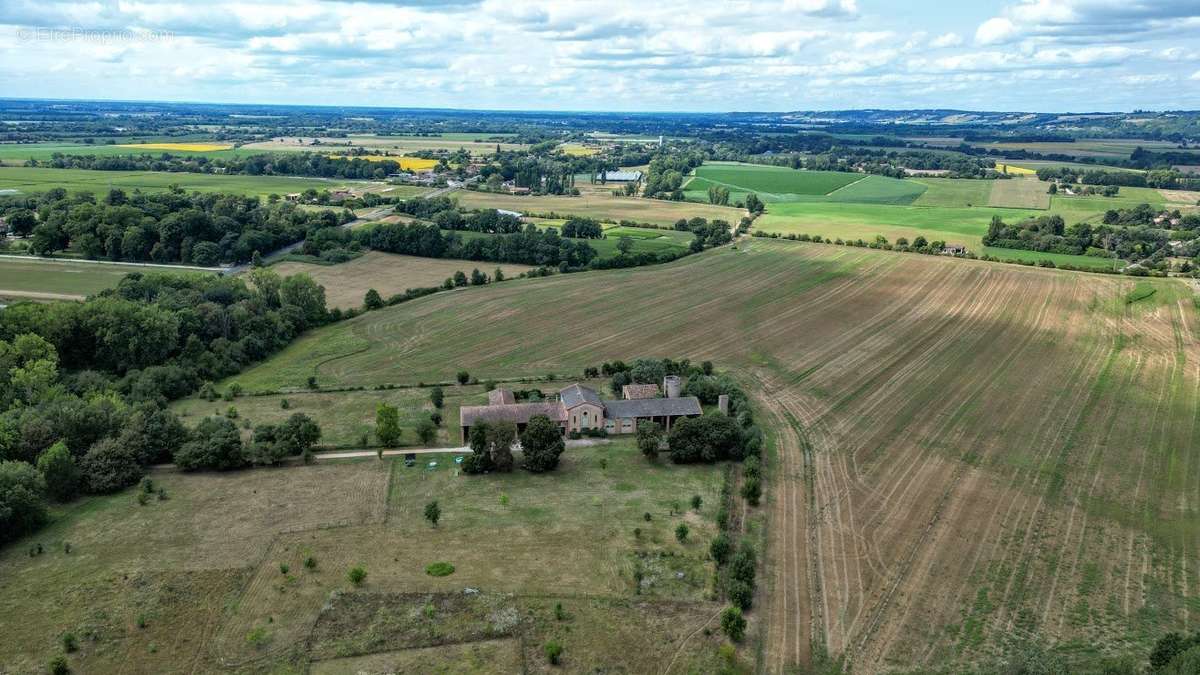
(398, 452)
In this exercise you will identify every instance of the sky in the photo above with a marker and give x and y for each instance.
(618, 55)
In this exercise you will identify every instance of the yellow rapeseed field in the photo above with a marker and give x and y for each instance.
(406, 163)
(1014, 170)
(189, 147)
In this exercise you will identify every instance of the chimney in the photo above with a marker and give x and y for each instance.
(723, 403)
(671, 386)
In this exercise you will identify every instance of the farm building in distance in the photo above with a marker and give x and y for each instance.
(619, 176)
(580, 408)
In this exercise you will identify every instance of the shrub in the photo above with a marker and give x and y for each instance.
(283, 568)
(740, 593)
(697, 502)
(433, 512)
(681, 533)
(733, 623)
(439, 569)
(720, 548)
(553, 652)
(62, 475)
(69, 643)
(59, 666)
(559, 613)
(752, 490)
(310, 563)
(463, 377)
(357, 575)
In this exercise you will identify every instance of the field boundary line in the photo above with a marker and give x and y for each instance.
(85, 261)
(847, 185)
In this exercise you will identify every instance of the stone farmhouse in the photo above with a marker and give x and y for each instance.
(580, 408)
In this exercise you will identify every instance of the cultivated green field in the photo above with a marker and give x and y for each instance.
(26, 180)
(1042, 411)
(645, 240)
(771, 183)
(62, 280)
(196, 582)
(14, 154)
(952, 210)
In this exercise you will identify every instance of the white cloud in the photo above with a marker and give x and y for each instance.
(946, 40)
(995, 31)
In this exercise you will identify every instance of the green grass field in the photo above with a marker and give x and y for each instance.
(61, 280)
(26, 180)
(924, 396)
(952, 210)
(771, 183)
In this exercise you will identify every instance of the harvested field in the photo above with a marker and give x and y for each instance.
(346, 283)
(964, 450)
(598, 203)
(1019, 193)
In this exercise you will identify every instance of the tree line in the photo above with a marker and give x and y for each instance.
(165, 227)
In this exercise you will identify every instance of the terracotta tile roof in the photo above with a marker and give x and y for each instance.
(632, 391)
(518, 413)
(501, 396)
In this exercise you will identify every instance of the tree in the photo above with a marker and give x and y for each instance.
(542, 444)
(752, 490)
(649, 439)
(21, 222)
(426, 432)
(22, 499)
(733, 623)
(648, 371)
(498, 275)
(697, 502)
(709, 438)
(681, 533)
(754, 205)
(387, 425)
(463, 377)
(58, 468)
(625, 245)
(300, 292)
(216, 444)
(372, 299)
(460, 278)
(298, 434)
(480, 459)
(109, 466)
(437, 397)
(433, 512)
(478, 278)
(501, 437)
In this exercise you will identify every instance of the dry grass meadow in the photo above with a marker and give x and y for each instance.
(214, 578)
(347, 283)
(965, 452)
